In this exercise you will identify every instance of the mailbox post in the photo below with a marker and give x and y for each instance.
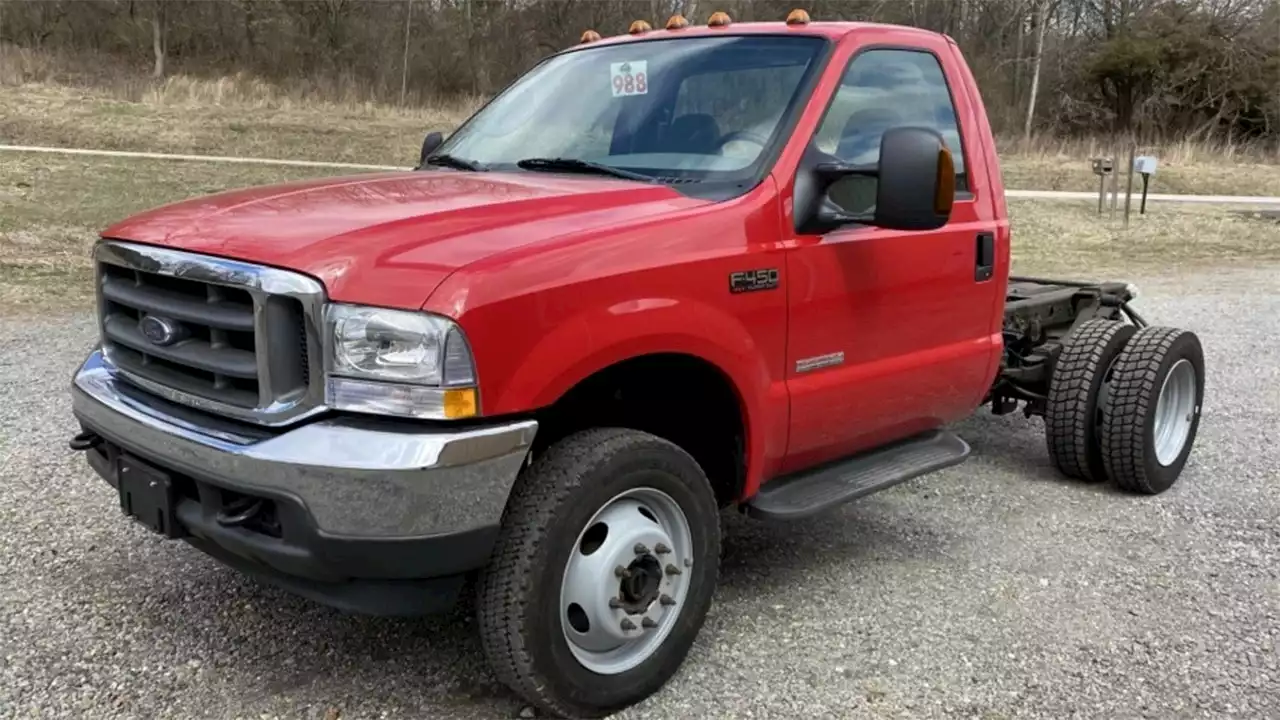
(1145, 165)
(1102, 167)
(1128, 184)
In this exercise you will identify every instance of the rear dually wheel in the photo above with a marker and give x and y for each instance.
(1150, 423)
(1078, 390)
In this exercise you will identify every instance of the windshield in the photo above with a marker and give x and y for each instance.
(688, 110)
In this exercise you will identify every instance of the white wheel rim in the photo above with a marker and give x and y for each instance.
(623, 589)
(1175, 412)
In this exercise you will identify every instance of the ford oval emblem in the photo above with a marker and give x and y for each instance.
(158, 330)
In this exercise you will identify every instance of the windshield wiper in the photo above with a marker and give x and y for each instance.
(456, 163)
(582, 166)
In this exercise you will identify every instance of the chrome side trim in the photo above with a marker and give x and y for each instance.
(261, 282)
(358, 478)
(821, 361)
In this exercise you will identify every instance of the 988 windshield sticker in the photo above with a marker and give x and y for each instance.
(629, 78)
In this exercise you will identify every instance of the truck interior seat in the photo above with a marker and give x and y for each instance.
(860, 139)
(693, 133)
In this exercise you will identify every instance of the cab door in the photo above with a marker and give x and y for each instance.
(890, 332)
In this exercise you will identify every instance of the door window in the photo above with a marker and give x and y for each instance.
(880, 90)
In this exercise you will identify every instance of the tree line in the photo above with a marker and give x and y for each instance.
(1203, 70)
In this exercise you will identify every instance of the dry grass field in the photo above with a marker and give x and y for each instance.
(52, 206)
(252, 119)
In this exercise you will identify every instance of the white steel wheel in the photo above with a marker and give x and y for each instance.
(624, 584)
(602, 574)
(1175, 411)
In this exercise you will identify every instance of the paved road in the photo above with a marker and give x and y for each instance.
(993, 590)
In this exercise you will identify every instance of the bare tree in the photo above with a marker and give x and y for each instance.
(1043, 10)
(1208, 68)
(157, 38)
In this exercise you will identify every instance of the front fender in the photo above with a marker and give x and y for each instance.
(600, 337)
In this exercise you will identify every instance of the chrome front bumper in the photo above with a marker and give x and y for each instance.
(358, 478)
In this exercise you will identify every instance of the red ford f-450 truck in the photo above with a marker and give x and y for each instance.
(761, 266)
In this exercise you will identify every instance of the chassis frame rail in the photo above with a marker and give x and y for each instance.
(1039, 313)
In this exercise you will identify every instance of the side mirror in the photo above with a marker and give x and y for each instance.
(912, 187)
(429, 145)
(917, 180)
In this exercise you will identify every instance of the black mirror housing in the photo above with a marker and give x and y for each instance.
(432, 141)
(912, 187)
(917, 180)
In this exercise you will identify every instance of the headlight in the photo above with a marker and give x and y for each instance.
(393, 362)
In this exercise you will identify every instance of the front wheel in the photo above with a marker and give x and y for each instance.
(602, 574)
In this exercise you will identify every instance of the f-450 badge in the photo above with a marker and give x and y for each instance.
(753, 280)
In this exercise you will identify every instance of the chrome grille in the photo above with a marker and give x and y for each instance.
(224, 336)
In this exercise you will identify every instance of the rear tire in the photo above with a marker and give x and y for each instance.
(1071, 419)
(595, 503)
(1150, 423)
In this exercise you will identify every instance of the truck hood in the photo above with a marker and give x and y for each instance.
(391, 238)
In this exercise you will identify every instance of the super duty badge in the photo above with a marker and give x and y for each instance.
(753, 280)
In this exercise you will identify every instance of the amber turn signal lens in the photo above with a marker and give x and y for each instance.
(719, 19)
(460, 403)
(798, 17)
(589, 36)
(677, 22)
(639, 26)
(946, 185)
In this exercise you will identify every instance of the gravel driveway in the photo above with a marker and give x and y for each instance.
(992, 590)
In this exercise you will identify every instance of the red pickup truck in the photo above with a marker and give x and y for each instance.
(760, 266)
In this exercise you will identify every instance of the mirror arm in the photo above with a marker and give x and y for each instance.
(841, 218)
(830, 172)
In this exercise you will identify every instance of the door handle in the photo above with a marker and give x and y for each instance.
(984, 256)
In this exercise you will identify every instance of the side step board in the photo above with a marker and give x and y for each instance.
(812, 491)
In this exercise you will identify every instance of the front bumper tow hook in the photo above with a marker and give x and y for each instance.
(239, 513)
(85, 441)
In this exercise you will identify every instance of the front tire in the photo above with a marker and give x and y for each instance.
(602, 574)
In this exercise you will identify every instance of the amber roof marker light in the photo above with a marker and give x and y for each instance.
(719, 18)
(798, 17)
(588, 37)
(639, 27)
(677, 22)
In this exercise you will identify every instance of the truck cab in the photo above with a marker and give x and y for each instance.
(760, 266)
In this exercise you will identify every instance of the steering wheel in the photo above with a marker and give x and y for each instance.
(748, 135)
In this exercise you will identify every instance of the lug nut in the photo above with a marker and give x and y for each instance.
(615, 603)
(661, 549)
(648, 624)
(673, 570)
(688, 562)
(626, 624)
(667, 600)
(640, 549)
(622, 572)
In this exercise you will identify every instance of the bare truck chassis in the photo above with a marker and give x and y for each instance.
(1039, 315)
(1120, 398)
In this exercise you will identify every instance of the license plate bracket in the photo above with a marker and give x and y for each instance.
(146, 495)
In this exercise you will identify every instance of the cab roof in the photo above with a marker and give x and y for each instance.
(830, 30)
